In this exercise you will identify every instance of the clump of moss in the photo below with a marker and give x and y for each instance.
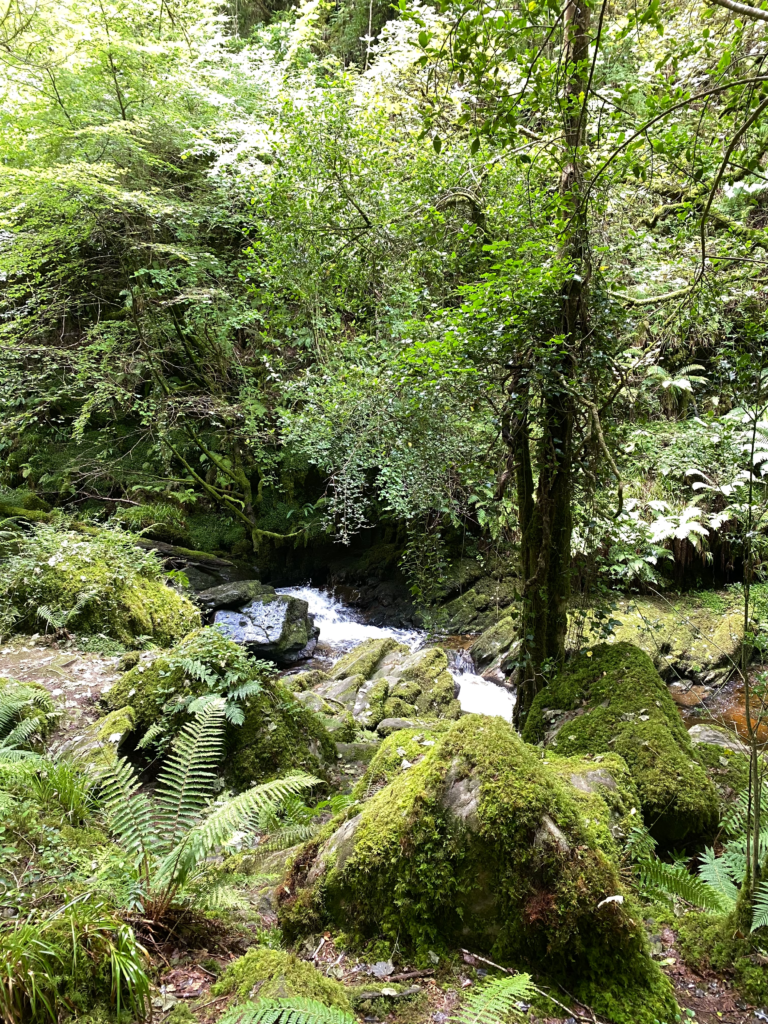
(277, 732)
(274, 974)
(612, 699)
(407, 685)
(480, 842)
(728, 769)
(99, 583)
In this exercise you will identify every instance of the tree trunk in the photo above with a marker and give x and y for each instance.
(545, 521)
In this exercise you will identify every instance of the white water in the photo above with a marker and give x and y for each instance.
(341, 629)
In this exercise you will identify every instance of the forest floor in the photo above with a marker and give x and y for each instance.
(77, 680)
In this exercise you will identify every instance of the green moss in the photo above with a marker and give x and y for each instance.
(299, 681)
(495, 642)
(693, 634)
(707, 942)
(278, 734)
(180, 1014)
(95, 584)
(274, 974)
(605, 792)
(612, 699)
(481, 843)
(728, 769)
(364, 659)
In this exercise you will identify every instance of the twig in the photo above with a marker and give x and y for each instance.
(211, 1002)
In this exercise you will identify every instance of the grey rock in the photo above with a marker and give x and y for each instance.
(232, 595)
(337, 849)
(461, 797)
(718, 737)
(549, 835)
(275, 626)
(590, 782)
(389, 725)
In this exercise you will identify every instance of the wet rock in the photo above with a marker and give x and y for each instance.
(232, 595)
(273, 626)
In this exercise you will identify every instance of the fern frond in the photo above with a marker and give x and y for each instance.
(149, 737)
(760, 907)
(250, 689)
(283, 838)
(200, 841)
(495, 1001)
(286, 1011)
(130, 812)
(718, 873)
(186, 782)
(677, 881)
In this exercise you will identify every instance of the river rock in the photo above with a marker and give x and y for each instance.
(273, 626)
(232, 595)
(389, 725)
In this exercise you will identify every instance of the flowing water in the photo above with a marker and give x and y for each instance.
(341, 629)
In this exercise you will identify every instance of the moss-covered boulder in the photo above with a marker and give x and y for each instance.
(278, 732)
(274, 974)
(478, 842)
(364, 659)
(98, 583)
(612, 700)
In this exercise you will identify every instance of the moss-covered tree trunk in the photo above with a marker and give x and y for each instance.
(545, 503)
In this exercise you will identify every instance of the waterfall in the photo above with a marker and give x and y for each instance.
(342, 628)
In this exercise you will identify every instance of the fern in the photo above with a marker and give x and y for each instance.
(286, 1011)
(760, 906)
(677, 881)
(718, 874)
(184, 784)
(169, 838)
(496, 1001)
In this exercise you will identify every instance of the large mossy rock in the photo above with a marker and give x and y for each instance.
(95, 584)
(278, 733)
(271, 625)
(612, 700)
(364, 658)
(478, 842)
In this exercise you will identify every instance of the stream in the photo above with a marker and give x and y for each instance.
(341, 629)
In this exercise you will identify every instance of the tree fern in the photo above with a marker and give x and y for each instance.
(286, 1011)
(496, 1001)
(677, 881)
